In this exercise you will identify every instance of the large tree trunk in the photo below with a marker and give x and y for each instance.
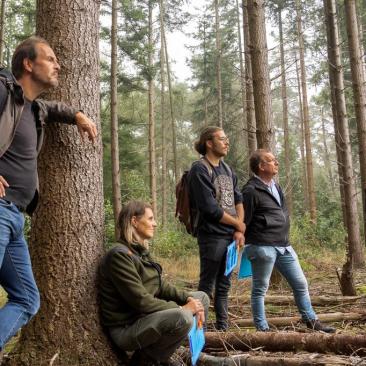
(359, 92)
(218, 64)
(164, 194)
(289, 341)
(305, 106)
(67, 233)
(2, 27)
(260, 73)
(116, 180)
(288, 190)
(355, 248)
(243, 127)
(151, 103)
(250, 109)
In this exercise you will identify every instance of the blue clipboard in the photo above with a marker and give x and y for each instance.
(196, 339)
(231, 258)
(245, 269)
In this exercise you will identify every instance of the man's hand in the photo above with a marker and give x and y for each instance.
(240, 226)
(196, 308)
(239, 239)
(3, 184)
(85, 125)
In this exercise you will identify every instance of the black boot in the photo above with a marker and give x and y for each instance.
(315, 324)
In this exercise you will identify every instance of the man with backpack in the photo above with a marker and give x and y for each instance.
(217, 216)
(22, 120)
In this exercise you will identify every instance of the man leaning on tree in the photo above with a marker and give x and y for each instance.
(22, 121)
(214, 194)
(267, 241)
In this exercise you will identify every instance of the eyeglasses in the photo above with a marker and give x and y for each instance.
(274, 160)
(223, 139)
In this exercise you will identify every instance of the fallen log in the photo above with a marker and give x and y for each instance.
(322, 300)
(288, 342)
(251, 360)
(292, 320)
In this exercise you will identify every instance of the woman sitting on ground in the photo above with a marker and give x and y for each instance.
(142, 312)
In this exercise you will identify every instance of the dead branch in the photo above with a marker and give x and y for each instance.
(291, 320)
(289, 342)
(315, 300)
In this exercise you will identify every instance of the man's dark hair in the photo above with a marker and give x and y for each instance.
(26, 49)
(206, 135)
(256, 158)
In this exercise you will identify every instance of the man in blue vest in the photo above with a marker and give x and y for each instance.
(267, 241)
(22, 120)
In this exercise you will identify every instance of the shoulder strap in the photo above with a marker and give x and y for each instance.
(207, 164)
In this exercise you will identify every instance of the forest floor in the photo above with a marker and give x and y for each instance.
(320, 270)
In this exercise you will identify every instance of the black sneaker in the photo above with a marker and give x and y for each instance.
(315, 324)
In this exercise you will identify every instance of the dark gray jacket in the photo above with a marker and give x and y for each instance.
(44, 111)
(267, 221)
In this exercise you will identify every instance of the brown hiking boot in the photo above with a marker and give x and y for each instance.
(315, 324)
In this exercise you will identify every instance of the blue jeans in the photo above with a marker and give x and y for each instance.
(263, 259)
(16, 276)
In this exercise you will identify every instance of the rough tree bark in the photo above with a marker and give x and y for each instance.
(67, 235)
(116, 180)
(250, 109)
(288, 341)
(164, 194)
(2, 27)
(218, 64)
(305, 106)
(151, 104)
(336, 80)
(260, 74)
(288, 189)
(359, 92)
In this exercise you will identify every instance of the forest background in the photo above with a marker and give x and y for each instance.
(304, 98)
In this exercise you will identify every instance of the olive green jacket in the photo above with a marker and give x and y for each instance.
(131, 286)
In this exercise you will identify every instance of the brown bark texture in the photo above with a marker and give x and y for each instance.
(286, 135)
(250, 109)
(164, 187)
(116, 178)
(321, 300)
(343, 145)
(2, 28)
(288, 341)
(67, 233)
(293, 320)
(151, 105)
(306, 118)
(260, 74)
(359, 91)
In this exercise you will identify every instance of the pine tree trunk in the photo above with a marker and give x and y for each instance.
(116, 180)
(151, 103)
(250, 109)
(67, 235)
(260, 73)
(285, 118)
(302, 139)
(172, 118)
(359, 93)
(243, 127)
(355, 248)
(2, 27)
(327, 162)
(218, 65)
(205, 66)
(164, 198)
(305, 106)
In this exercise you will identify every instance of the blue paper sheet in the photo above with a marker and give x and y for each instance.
(231, 258)
(245, 269)
(196, 338)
